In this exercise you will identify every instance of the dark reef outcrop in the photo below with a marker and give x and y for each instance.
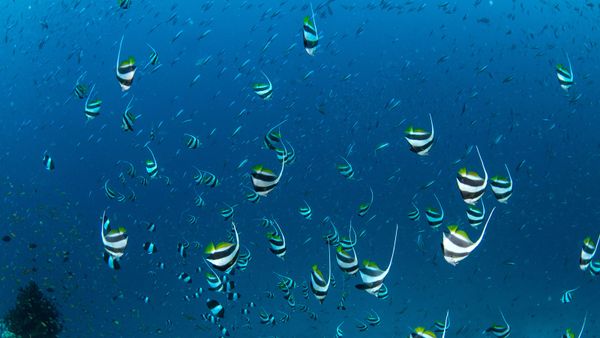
(34, 315)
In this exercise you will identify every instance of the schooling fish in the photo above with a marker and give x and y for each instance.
(264, 180)
(151, 165)
(345, 169)
(588, 251)
(475, 215)
(565, 75)
(435, 217)
(305, 211)
(191, 141)
(363, 208)
(456, 244)
(125, 69)
(420, 140)
(47, 161)
(310, 34)
(318, 285)
(263, 90)
(500, 331)
(567, 296)
(128, 118)
(224, 255)
(277, 240)
(92, 109)
(470, 184)
(372, 276)
(150, 248)
(502, 187)
(114, 241)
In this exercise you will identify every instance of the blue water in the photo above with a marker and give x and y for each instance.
(425, 54)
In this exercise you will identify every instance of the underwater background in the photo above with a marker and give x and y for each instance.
(485, 71)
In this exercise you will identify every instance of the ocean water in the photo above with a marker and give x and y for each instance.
(484, 70)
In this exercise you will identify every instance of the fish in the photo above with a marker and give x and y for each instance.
(150, 248)
(124, 4)
(125, 69)
(345, 169)
(456, 244)
(305, 211)
(565, 75)
(205, 177)
(502, 187)
(440, 326)
(498, 330)
(347, 243)
(151, 165)
(420, 140)
(224, 255)
(92, 109)
(427, 185)
(338, 331)
(153, 58)
(567, 296)
(332, 238)
(570, 334)
(128, 118)
(151, 227)
(243, 260)
(266, 318)
(80, 90)
(276, 239)
(363, 208)
(595, 268)
(373, 318)
(233, 296)
(475, 215)
(215, 308)
(470, 184)
(381, 146)
(421, 332)
(392, 103)
(588, 251)
(215, 283)
(520, 165)
(384, 292)
(111, 193)
(252, 196)
(310, 34)
(263, 90)
(372, 276)
(435, 217)
(47, 161)
(264, 180)
(346, 262)
(111, 261)
(199, 201)
(286, 282)
(130, 169)
(227, 212)
(286, 156)
(191, 141)
(185, 277)
(272, 137)
(414, 214)
(182, 249)
(318, 285)
(114, 241)
(361, 326)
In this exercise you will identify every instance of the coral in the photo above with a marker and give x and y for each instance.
(4, 333)
(34, 315)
